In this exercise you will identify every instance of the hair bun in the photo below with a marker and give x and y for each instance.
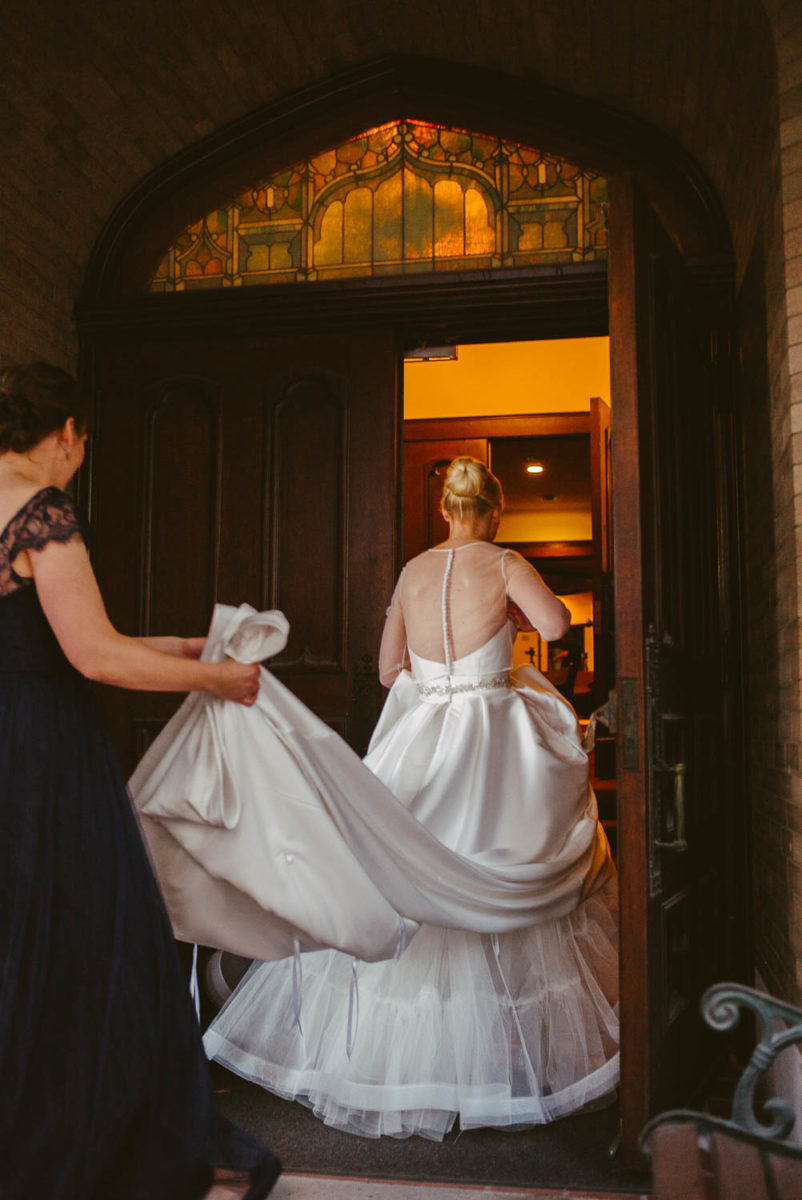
(471, 487)
(466, 477)
(18, 421)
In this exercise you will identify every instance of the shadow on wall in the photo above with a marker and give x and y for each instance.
(772, 692)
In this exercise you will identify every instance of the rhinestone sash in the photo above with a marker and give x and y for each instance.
(449, 689)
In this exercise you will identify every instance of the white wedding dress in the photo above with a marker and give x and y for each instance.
(498, 1024)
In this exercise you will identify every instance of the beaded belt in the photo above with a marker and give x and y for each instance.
(449, 689)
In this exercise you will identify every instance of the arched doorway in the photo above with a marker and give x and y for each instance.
(269, 363)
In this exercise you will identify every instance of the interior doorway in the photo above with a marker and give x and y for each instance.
(538, 414)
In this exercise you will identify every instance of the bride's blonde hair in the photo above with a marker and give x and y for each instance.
(471, 488)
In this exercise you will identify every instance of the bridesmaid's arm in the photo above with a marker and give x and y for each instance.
(73, 605)
(179, 647)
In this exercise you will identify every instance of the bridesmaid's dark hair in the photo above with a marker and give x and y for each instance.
(35, 400)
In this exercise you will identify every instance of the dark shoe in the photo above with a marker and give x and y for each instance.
(239, 1159)
(263, 1177)
(259, 1180)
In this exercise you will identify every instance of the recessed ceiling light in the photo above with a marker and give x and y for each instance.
(533, 468)
(431, 354)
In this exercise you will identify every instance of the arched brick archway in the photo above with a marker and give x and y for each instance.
(446, 93)
(128, 332)
(107, 95)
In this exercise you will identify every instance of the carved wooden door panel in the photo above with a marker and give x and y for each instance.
(680, 776)
(259, 471)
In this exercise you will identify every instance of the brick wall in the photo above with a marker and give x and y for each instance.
(95, 94)
(774, 544)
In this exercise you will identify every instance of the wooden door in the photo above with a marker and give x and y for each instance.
(680, 773)
(602, 518)
(259, 471)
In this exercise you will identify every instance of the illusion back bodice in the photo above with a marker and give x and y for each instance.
(449, 611)
(454, 600)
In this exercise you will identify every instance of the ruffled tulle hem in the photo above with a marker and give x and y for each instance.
(476, 1108)
(504, 1031)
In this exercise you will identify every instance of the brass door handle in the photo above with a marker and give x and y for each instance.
(679, 845)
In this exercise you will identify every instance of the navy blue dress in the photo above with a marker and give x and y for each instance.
(104, 1088)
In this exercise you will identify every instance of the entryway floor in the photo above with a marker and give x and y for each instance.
(328, 1187)
(568, 1158)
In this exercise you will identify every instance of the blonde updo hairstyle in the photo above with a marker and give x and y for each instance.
(470, 489)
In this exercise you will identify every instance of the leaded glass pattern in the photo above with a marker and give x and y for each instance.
(405, 198)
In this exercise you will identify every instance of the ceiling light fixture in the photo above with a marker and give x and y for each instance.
(533, 468)
(431, 354)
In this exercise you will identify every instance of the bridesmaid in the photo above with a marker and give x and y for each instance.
(105, 1090)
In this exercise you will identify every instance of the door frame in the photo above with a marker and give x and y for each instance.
(531, 304)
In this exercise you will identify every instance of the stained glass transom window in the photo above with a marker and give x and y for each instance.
(405, 198)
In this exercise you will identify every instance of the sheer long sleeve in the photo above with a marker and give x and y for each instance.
(393, 650)
(525, 588)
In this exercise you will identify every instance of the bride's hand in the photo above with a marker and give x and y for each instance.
(519, 618)
(236, 681)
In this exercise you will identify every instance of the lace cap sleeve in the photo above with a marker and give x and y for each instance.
(49, 516)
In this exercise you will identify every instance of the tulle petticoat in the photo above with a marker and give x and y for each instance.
(514, 1029)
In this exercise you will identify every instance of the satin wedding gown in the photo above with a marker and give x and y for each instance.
(500, 1022)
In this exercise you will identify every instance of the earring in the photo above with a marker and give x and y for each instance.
(67, 453)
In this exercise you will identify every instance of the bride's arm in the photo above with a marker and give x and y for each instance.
(393, 650)
(71, 600)
(526, 589)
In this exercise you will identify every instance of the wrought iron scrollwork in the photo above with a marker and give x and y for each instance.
(721, 1008)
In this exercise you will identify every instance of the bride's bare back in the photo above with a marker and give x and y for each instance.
(450, 601)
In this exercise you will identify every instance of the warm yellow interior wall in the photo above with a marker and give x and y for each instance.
(581, 608)
(580, 605)
(550, 525)
(502, 378)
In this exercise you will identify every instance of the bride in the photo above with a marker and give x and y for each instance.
(504, 1027)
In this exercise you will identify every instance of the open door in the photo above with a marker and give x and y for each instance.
(680, 778)
(601, 515)
(258, 470)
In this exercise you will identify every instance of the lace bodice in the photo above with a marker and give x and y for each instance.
(450, 602)
(49, 516)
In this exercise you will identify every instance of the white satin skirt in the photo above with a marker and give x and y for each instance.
(506, 1030)
(501, 1015)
